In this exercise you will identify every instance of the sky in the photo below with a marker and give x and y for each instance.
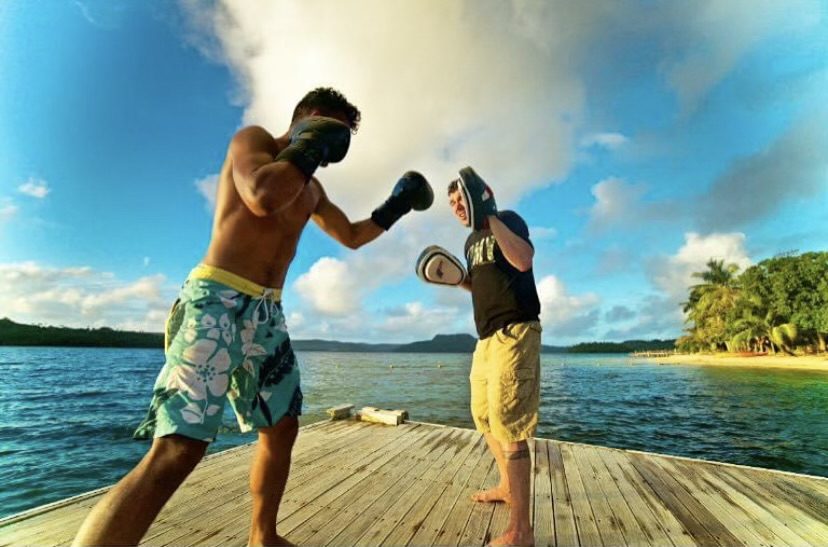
(637, 139)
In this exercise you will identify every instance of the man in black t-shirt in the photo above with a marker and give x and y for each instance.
(505, 374)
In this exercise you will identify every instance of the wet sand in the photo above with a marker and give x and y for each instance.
(817, 363)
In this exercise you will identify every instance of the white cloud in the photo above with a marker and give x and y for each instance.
(468, 90)
(7, 211)
(330, 287)
(82, 297)
(672, 274)
(621, 204)
(616, 202)
(565, 314)
(610, 141)
(416, 321)
(35, 188)
(208, 187)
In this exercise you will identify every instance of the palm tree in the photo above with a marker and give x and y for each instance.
(711, 302)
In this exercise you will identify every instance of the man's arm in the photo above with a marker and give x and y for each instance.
(517, 251)
(266, 186)
(335, 223)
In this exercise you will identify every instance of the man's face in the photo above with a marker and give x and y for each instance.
(458, 207)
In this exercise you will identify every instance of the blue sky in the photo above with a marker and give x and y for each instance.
(637, 140)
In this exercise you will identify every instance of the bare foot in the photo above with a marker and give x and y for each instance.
(492, 495)
(278, 541)
(526, 538)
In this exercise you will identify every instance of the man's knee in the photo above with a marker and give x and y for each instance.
(282, 433)
(174, 457)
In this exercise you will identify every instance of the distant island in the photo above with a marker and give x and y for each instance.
(18, 334)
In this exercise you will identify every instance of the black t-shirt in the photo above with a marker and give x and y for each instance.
(501, 293)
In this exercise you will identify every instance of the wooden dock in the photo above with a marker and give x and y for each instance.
(357, 483)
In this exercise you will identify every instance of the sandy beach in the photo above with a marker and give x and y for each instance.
(802, 362)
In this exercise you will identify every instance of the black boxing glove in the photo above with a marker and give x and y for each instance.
(314, 141)
(412, 191)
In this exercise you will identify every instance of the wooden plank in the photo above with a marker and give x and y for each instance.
(474, 470)
(702, 525)
(806, 499)
(398, 513)
(181, 512)
(635, 487)
(761, 518)
(401, 532)
(430, 529)
(341, 510)
(448, 465)
(542, 507)
(813, 532)
(609, 525)
(192, 524)
(499, 521)
(358, 483)
(633, 531)
(476, 531)
(59, 525)
(320, 498)
(530, 445)
(585, 520)
(380, 445)
(566, 531)
(728, 513)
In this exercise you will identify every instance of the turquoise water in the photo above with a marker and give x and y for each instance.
(67, 414)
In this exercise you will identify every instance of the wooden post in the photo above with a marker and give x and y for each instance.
(340, 412)
(378, 415)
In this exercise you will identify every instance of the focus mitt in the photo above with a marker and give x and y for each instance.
(437, 265)
(478, 196)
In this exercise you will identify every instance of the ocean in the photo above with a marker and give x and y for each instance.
(67, 414)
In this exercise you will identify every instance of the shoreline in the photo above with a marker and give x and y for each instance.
(814, 363)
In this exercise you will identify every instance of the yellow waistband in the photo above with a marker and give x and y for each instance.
(211, 273)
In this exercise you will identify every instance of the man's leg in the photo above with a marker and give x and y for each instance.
(518, 469)
(125, 513)
(268, 476)
(500, 492)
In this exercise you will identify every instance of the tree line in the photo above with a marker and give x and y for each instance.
(777, 305)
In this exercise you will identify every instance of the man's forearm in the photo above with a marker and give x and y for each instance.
(517, 251)
(364, 231)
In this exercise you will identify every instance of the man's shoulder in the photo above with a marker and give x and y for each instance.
(252, 137)
(508, 214)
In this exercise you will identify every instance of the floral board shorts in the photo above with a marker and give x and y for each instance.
(505, 382)
(225, 340)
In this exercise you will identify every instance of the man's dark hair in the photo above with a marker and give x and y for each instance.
(328, 102)
(453, 186)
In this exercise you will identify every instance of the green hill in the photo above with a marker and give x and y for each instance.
(17, 334)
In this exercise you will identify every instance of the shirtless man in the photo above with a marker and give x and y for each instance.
(226, 338)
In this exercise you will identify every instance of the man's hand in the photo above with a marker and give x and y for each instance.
(315, 141)
(412, 191)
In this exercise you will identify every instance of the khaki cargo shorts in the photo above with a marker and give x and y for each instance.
(505, 382)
